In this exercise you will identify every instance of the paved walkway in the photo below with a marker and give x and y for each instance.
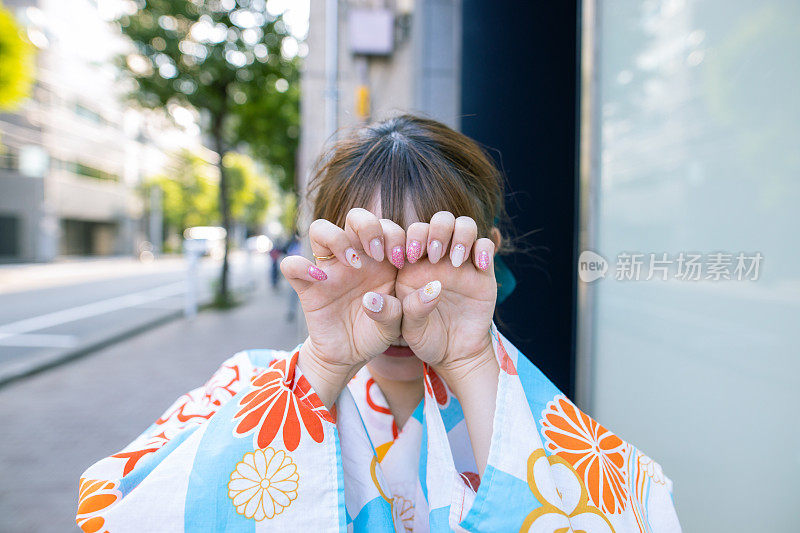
(57, 423)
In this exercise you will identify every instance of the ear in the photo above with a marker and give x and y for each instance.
(497, 239)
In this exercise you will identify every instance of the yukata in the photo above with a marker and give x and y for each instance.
(255, 449)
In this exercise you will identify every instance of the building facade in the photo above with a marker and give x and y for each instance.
(74, 153)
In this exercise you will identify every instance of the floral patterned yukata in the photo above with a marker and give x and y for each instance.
(254, 449)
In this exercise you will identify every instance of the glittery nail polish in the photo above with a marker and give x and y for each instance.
(414, 251)
(397, 258)
(457, 255)
(430, 291)
(373, 301)
(483, 260)
(376, 249)
(434, 251)
(353, 258)
(317, 273)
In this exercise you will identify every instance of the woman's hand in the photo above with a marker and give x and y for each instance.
(448, 298)
(348, 300)
(448, 303)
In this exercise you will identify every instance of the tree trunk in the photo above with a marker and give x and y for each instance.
(224, 208)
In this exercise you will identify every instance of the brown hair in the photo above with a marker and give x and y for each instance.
(408, 158)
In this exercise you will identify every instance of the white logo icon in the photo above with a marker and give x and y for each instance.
(591, 266)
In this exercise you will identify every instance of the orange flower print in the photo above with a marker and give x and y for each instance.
(595, 453)
(280, 401)
(94, 496)
(435, 386)
(506, 364)
(191, 409)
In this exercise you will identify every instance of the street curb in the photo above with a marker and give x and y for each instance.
(45, 363)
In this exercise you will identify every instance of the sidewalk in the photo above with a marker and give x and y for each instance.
(59, 422)
(16, 277)
(59, 311)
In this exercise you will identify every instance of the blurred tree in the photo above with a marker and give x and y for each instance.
(16, 62)
(223, 58)
(251, 191)
(190, 192)
(289, 213)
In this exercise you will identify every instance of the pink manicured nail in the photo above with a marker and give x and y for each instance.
(373, 301)
(483, 260)
(434, 251)
(430, 291)
(376, 249)
(397, 257)
(414, 251)
(317, 273)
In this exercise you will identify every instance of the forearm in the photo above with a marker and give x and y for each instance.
(475, 386)
(327, 380)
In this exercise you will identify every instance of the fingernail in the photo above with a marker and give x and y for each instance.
(430, 291)
(376, 249)
(397, 257)
(434, 251)
(414, 251)
(457, 255)
(373, 301)
(483, 260)
(317, 273)
(352, 258)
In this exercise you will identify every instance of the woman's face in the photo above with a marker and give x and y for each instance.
(398, 363)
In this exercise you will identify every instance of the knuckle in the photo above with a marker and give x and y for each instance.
(317, 226)
(444, 216)
(417, 227)
(467, 223)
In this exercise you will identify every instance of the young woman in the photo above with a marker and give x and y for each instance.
(404, 409)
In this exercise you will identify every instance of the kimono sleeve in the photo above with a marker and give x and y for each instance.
(252, 448)
(551, 466)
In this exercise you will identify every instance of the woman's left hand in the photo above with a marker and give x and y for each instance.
(449, 297)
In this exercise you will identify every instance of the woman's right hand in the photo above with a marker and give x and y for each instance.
(348, 300)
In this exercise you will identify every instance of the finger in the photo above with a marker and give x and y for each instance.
(416, 234)
(465, 232)
(363, 227)
(300, 272)
(483, 255)
(439, 233)
(327, 238)
(419, 304)
(394, 239)
(386, 311)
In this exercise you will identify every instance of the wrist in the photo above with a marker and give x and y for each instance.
(326, 378)
(467, 374)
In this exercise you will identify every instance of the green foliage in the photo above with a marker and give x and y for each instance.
(225, 62)
(189, 193)
(16, 62)
(289, 213)
(250, 190)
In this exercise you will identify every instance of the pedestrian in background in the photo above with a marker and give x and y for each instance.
(292, 248)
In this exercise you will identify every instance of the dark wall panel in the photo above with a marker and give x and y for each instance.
(519, 97)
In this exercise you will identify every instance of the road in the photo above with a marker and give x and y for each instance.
(50, 310)
(58, 422)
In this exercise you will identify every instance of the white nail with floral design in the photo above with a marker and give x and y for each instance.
(373, 301)
(429, 292)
